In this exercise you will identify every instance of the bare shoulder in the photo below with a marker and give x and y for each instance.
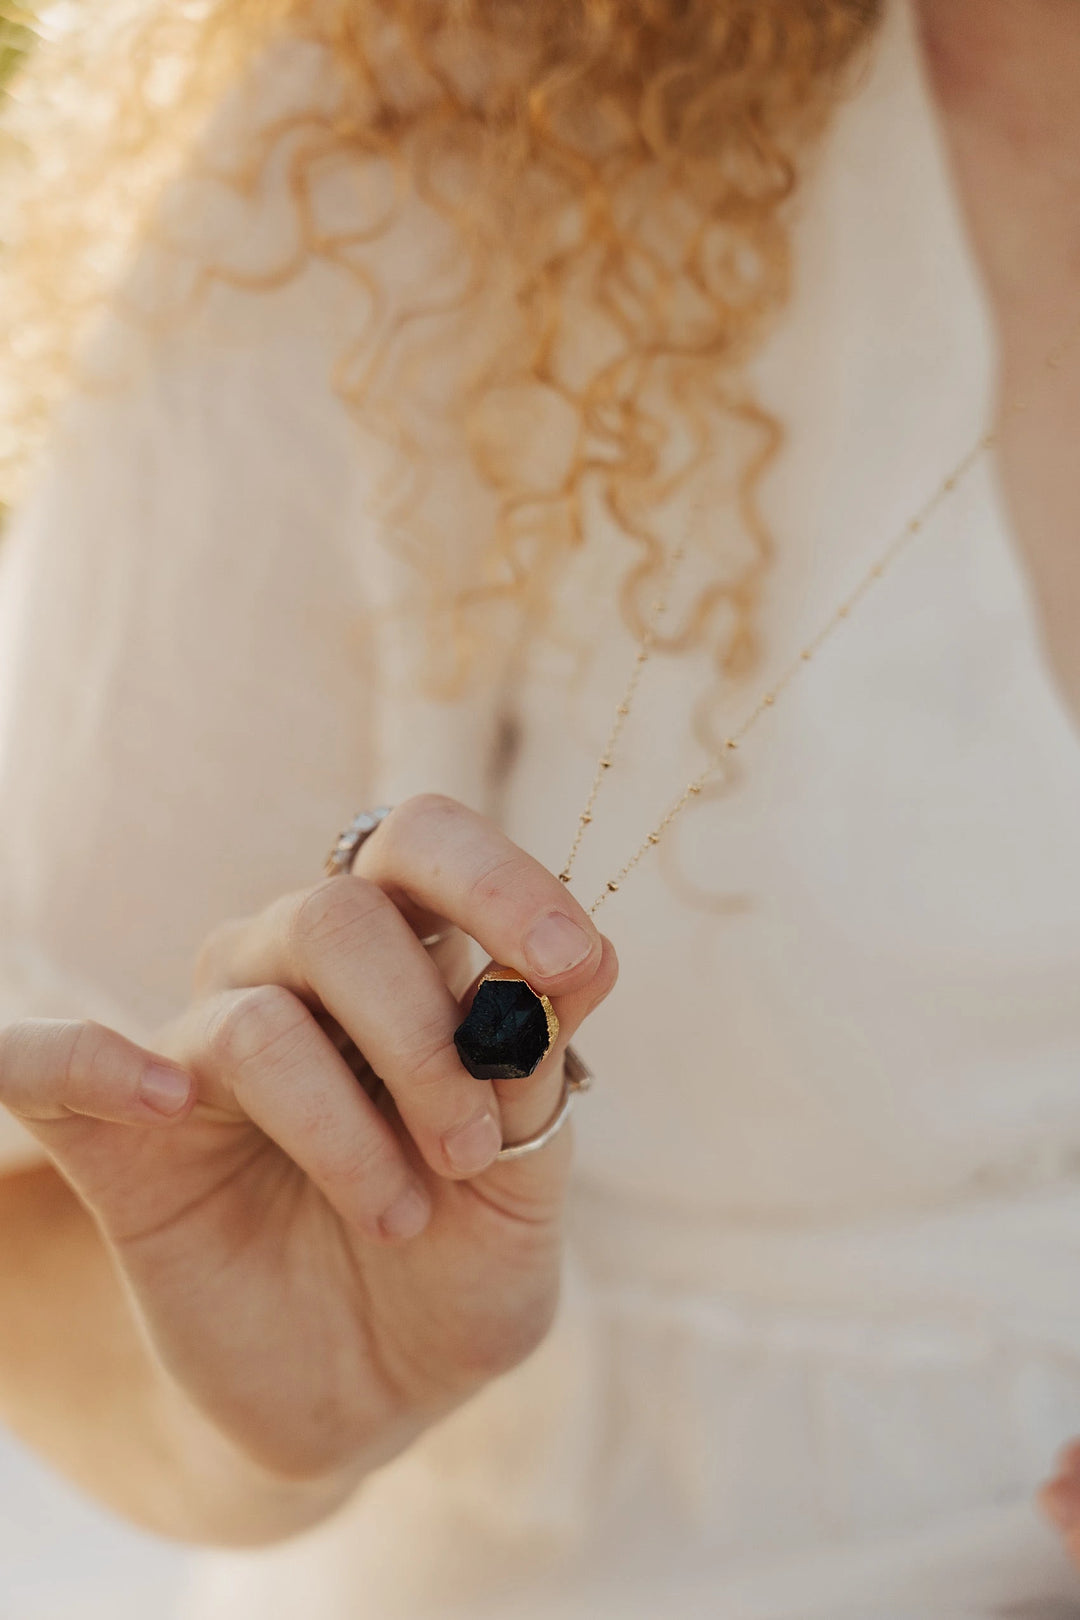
(1003, 77)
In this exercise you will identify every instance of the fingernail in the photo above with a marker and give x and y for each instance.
(407, 1215)
(555, 945)
(472, 1147)
(164, 1090)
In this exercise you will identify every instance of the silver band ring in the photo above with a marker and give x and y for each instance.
(577, 1076)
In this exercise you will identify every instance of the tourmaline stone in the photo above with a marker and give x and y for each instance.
(506, 1033)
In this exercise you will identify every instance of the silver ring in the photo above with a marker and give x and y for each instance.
(577, 1076)
(341, 857)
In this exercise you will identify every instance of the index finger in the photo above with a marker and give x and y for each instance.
(435, 855)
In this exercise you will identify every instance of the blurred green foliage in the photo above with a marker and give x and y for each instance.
(16, 36)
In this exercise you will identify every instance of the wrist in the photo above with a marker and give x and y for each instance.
(213, 1491)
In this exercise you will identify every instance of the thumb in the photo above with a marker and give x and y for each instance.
(55, 1071)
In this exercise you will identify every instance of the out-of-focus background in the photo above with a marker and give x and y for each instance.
(17, 27)
(60, 1557)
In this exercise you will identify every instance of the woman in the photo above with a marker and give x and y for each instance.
(810, 1342)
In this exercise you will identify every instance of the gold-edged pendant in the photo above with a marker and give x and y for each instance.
(509, 1029)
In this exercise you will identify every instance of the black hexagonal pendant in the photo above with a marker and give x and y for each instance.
(508, 1030)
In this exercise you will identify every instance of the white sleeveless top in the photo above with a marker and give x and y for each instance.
(820, 1331)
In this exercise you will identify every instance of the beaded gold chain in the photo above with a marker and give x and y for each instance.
(897, 544)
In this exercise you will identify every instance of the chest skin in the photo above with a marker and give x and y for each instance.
(1006, 81)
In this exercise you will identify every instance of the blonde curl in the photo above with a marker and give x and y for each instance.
(621, 167)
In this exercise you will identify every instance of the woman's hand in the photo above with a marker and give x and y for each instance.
(322, 1273)
(1059, 1499)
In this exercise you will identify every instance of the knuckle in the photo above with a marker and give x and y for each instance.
(418, 815)
(431, 1060)
(87, 1051)
(332, 912)
(255, 1023)
(426, 807)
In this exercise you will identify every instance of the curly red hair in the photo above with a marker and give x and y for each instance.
(618, 167)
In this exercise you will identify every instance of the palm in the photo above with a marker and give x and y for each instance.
(265, 1306)
(325, 1263)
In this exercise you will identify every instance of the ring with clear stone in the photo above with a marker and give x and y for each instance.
(341, 857)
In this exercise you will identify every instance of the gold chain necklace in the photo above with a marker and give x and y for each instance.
(510, 1027)
(897, 544)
